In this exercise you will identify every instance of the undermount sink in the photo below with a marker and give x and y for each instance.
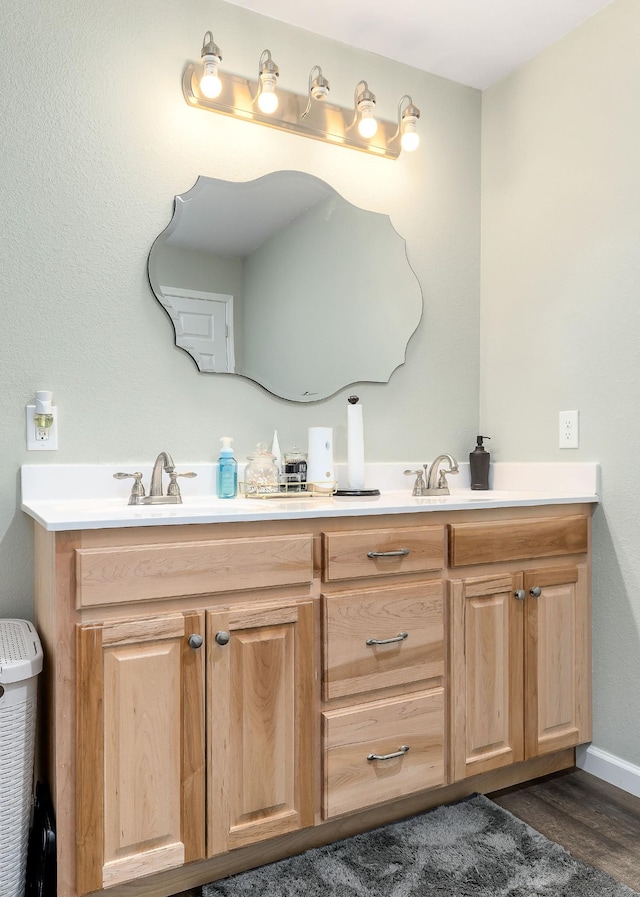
(458, 497)
(201, 505)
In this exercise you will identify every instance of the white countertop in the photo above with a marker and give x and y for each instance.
(71, 497)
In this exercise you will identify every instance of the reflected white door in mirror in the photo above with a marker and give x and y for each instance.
(203, 324)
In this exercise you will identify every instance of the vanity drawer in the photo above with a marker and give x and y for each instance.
(513, 540)
(352, 781)
(119, 575)
(382, 552)
(409, 617)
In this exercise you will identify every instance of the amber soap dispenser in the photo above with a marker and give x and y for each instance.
(479, 460)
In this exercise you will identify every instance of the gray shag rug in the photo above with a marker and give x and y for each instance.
(470, 849)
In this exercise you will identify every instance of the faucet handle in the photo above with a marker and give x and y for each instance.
(442, 477)
(419, 484)
(173, 488)
(137, 490)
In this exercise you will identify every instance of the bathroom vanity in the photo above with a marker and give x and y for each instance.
(224, 693)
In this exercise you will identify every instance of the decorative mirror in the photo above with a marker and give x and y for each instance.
(283, 281)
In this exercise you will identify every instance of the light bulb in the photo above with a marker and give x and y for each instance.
(410, 139)
(407, 125)
(268, 99)
(268, 74)
(210, 83)
(365, 106)
(367, 126)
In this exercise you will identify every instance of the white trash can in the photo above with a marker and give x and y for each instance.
(20, 663)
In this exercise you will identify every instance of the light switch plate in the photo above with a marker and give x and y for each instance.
(568, 429)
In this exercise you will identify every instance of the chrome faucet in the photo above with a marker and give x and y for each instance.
(441, 487)
(164, 461)
(426, 484)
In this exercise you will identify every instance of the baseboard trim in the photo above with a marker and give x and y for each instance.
(610, 768)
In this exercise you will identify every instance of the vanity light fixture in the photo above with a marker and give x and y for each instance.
(268, 75)
(365, 102)
(318, 88)
(309, 114)
(407, 120)
(210, 83)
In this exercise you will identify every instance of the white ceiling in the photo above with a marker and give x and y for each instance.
(474, 42)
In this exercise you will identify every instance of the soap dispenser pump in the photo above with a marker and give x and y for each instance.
(227, 481)
(479, 460)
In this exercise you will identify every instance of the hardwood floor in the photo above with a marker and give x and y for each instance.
(596, 822)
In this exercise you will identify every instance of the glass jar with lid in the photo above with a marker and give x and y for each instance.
(261, 475)
(295, 471)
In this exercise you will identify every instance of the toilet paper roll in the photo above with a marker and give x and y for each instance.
(355, 446)
(320, 469)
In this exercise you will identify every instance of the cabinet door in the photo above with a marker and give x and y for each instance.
(260, 711)
(486, 673)
(558, 659)
(140, 749)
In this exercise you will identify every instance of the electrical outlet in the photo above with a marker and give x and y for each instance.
(41, 439)
(568, 429)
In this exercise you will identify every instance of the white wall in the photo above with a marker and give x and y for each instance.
(561, 307)
(96, 141)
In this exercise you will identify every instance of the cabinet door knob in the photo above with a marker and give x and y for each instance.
(520, 594)
(195, 641)
(222, 637)
(403, 750)
(535, 592)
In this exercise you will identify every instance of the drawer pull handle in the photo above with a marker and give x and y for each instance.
(403, 750)
(535, 592)
(520, 594)
(398, 553)
(195, 641)
(387, 641)
(223, 638)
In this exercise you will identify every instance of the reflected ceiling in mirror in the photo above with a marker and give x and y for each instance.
(284, 282)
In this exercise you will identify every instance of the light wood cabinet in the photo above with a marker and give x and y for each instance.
(382, 552)
(487, 674)
(521, 650)
(140, 752)
(383, 720)
(139, 749)
(557, 659)
(383, 750)
(222, 695)
(194, 728)
(259, 723)
(380, 637)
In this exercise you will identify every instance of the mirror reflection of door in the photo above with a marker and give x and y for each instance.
(204, 327)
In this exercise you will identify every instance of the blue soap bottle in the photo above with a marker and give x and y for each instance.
(227, 481)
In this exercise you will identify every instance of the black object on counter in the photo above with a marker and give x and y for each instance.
(479, 460)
